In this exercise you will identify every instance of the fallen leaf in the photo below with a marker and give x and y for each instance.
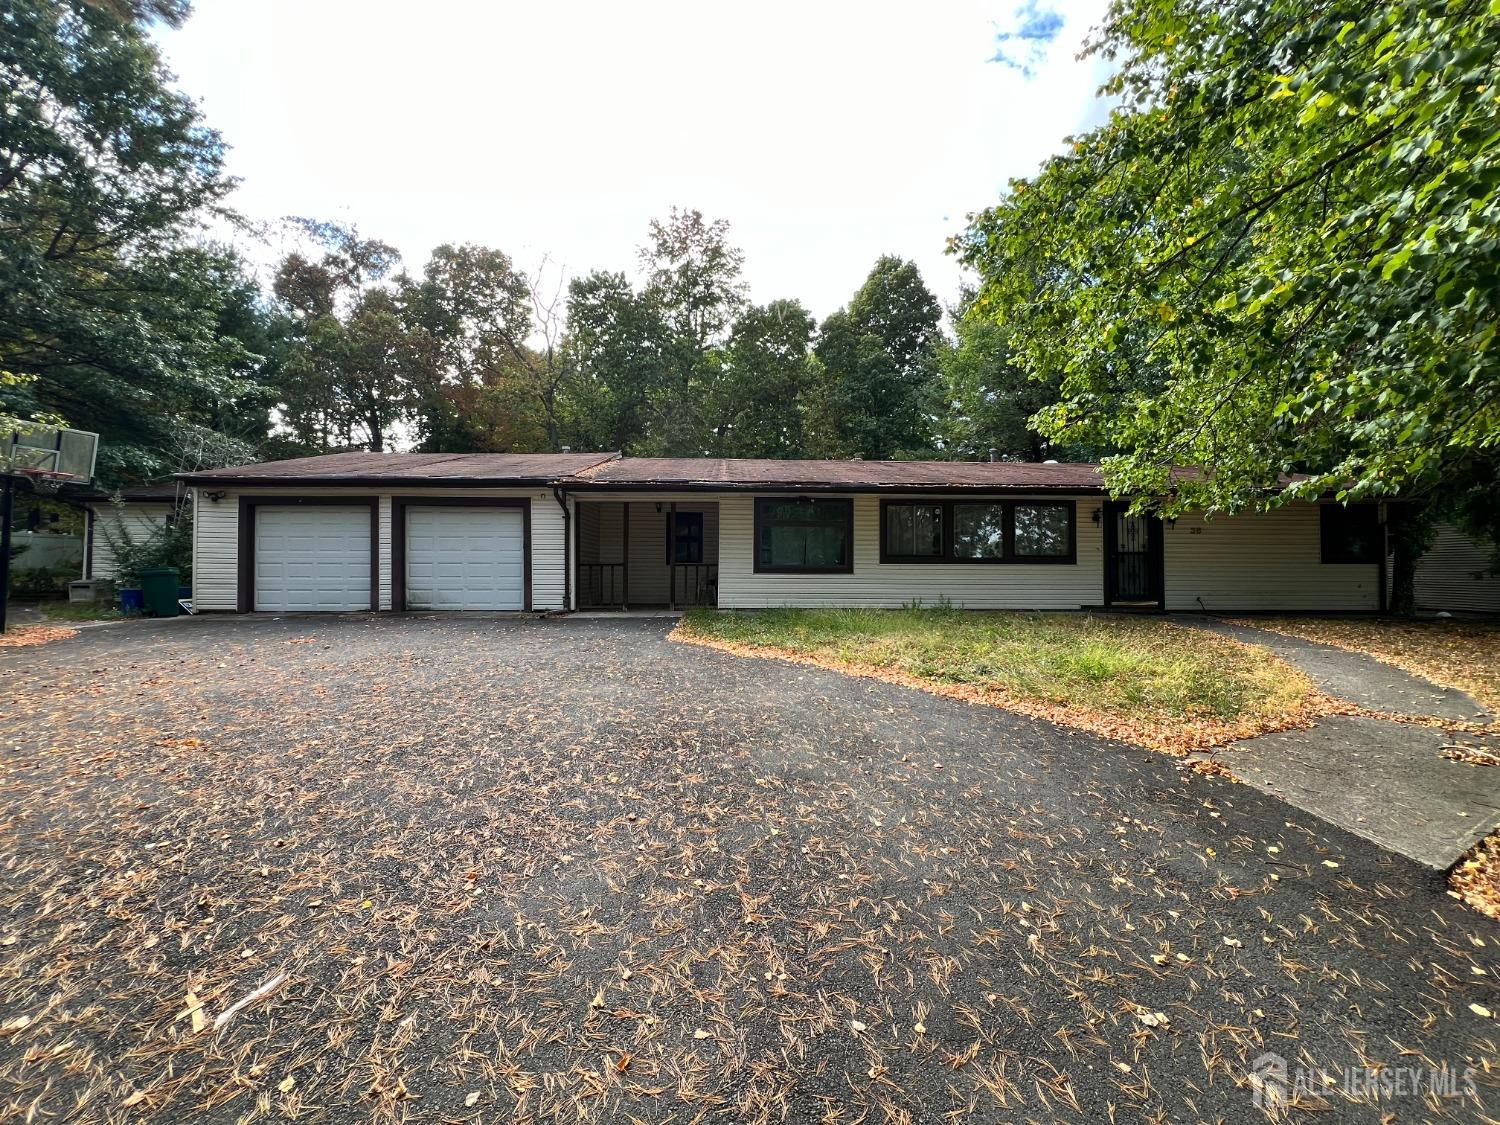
(286, 1084)
(1480, 1010)
(471, 1099)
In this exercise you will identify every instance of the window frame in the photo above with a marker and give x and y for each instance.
(1070, 555)
(762, 502)
(1334, 554)
(1008, 556)
(675, 523)
(945, 516)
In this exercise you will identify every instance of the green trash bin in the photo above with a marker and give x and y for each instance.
(159, 590)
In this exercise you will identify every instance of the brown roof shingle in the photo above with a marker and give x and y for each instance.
(399, 468)
(693, 472)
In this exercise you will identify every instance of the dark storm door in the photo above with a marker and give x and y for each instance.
(1132, 557)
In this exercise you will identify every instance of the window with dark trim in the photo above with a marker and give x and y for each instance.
(1350, 534)
(1043, 531)
(802, 535)
(979, 531)
(913, 531)
(685, 538)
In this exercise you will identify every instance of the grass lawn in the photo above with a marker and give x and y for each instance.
(1141, 679)
(1460, 654)
(81, 611)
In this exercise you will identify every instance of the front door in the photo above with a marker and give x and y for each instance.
(1132, 557)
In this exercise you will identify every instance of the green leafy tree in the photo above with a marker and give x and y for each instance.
(359, 358)
(693, 282)
(616, 346)
(757, 403)
(499, 335)
(878, 361)
(989, 400)
(106, 174)
(1279, 255)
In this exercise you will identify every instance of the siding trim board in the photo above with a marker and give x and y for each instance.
(245, 596)
(399, 504)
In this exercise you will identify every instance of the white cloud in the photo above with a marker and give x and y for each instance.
(827, 133)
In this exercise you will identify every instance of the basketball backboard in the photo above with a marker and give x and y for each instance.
(58, 456)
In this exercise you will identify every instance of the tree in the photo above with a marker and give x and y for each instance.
(757, 403)
(879, 360)
(359, 358)
(693, 283)
(500, 337)
(1279, 255)
(616, 345)
(988, 399)
(106, 174)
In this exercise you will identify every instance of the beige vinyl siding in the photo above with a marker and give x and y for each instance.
(139, 520)
(1263, 560)
(216, 541)
(968, 585)
(216, 549)
(1454, 574)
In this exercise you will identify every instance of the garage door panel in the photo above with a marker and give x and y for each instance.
(314, 557)
(465, 558)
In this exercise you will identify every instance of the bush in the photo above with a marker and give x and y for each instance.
(169, 544)
(38, 582)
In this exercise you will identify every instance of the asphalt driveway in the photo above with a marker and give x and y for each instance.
(526, 870)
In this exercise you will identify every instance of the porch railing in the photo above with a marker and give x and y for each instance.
(605, 585)
(694, 584)
(601, 585)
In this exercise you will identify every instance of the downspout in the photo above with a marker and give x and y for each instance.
(562, 503)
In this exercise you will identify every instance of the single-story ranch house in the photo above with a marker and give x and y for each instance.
(397, 531)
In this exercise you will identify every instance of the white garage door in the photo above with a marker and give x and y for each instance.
(465, 558)
(312, 558)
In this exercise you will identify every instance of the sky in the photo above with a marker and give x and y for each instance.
(827, 133)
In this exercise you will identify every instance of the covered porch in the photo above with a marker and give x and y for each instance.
(646, 554)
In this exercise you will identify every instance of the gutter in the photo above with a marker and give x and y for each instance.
(781, 486)
(199, 481)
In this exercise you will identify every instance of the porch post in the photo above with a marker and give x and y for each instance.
(625, 557)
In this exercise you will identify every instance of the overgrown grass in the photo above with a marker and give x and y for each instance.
(1144, 679)
(81, 611)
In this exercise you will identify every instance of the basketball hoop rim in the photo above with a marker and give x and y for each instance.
(44, 480)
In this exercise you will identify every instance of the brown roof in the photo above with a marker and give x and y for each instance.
(694, 472)
(605, 471)
(611, 471)
(406, 468)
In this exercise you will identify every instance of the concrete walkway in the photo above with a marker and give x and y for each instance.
(1384, 780)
